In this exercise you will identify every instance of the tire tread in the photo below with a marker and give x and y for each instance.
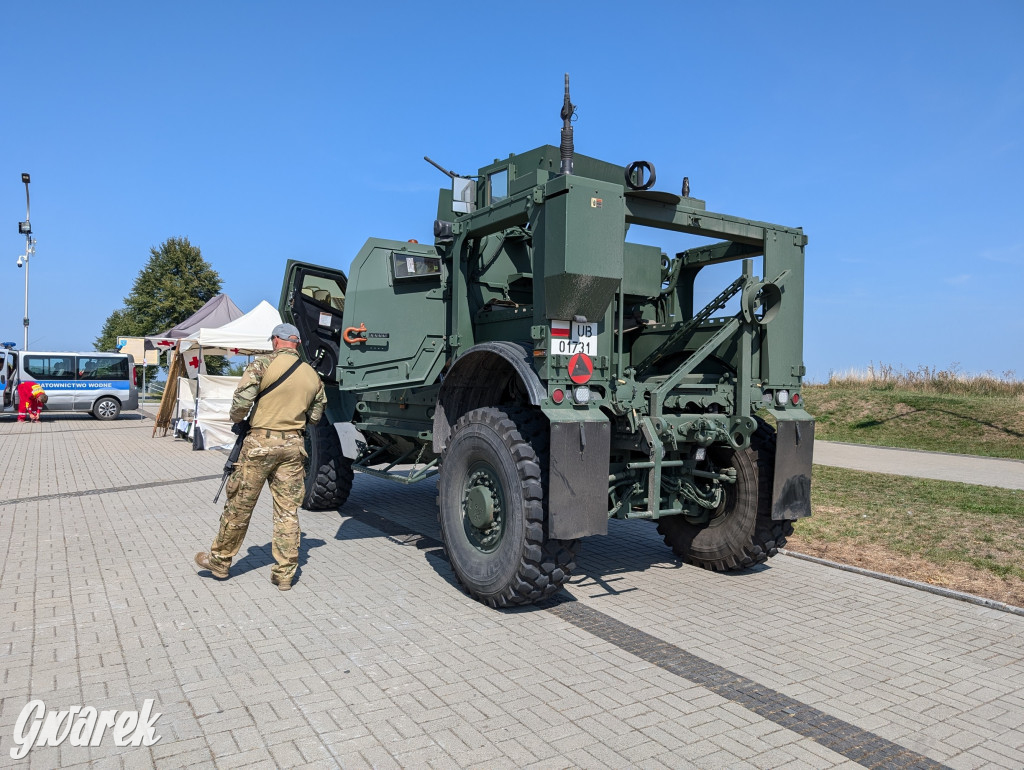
(768, 535)
(329, 476)
(545, 564)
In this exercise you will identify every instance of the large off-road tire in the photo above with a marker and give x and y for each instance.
(328, 473)
(491, 508)
(741, 532)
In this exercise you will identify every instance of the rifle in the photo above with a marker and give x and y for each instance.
(241, 430)
(242, 427)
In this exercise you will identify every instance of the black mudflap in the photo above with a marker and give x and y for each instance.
(578, 478)
(791, 494)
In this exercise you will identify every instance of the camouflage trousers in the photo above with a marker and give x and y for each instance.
(279, 461)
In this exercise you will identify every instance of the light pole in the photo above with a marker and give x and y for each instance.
(25, 228)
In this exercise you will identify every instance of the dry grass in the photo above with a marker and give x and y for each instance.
(924, 409)
(959, 536)
(927, 379)
(1008, 589)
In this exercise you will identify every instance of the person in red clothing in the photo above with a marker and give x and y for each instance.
(30, 400)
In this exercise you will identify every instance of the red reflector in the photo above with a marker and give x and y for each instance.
(796, 399)
(558, 396)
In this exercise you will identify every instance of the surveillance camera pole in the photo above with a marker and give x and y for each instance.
(30, 247)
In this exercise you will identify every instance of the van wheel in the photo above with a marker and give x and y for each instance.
(106, 409)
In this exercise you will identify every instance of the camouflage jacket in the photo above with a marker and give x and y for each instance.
(249, 386)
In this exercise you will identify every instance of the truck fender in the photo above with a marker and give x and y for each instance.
(488, 374)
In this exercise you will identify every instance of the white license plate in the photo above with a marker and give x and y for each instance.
(569, 338)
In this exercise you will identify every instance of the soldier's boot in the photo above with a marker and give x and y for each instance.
(203, 560)
(283, 585)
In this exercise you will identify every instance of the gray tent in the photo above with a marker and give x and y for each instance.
(215, 313)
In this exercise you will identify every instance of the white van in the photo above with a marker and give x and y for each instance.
(99, 383)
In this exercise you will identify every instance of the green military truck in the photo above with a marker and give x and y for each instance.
(553, 369)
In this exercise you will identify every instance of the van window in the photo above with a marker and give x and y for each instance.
(50, 367)
(102, 368)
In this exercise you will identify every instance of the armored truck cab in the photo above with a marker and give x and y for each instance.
(554, 372)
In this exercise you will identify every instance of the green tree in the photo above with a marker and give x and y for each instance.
(173, 285)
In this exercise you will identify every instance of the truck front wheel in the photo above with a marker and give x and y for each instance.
(328, 473)
(491, 511)
(741, 532)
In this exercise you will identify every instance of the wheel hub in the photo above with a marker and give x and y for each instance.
(482, 507)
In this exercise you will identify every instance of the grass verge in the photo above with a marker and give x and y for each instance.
(978, 423)
(959, 536)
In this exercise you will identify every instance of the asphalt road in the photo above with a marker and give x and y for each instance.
(987, 471)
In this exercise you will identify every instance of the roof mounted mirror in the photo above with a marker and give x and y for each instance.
(463, 195)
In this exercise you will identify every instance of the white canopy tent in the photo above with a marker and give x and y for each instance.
(244, 336)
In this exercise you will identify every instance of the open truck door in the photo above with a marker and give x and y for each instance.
(313, 299)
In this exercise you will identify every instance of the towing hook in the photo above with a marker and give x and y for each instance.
(349, 334)
(704, 432)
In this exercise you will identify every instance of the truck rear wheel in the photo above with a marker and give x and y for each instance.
(741, 532)
(491, 510)
(328, 472)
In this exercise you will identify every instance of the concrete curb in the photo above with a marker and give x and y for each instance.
(959, 595)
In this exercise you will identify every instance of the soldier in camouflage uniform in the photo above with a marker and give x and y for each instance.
(273, 451)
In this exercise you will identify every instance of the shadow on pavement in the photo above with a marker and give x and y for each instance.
(258, 556)
(602, 563)
(75, 417)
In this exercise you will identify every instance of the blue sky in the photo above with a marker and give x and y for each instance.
(891, 132)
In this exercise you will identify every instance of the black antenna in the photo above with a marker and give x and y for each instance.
(568, 109)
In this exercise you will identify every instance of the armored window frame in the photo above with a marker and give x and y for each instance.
(497, 185)
(313, 283)
(411, 267)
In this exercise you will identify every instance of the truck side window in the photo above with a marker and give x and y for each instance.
(324, 290)
(497, 185)
(415, 265)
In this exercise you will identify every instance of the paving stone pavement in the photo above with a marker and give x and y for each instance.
(377, 659)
